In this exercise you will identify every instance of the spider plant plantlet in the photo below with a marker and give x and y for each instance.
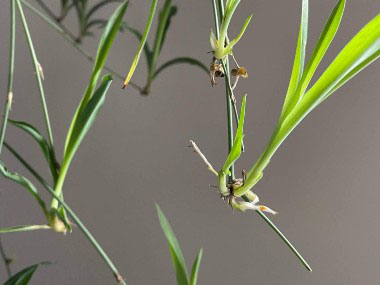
(221, 46)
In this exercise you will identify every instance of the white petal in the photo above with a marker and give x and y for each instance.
(252, 197)
(213, 41)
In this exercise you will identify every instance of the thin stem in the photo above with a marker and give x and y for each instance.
(230, 129)
(6, 260)
(89, 236)
(232, 96)
(66, 35)
(55, 18)
(26, 165)
(37, 68)
(75, 218)
(8, 102)
(282, 236)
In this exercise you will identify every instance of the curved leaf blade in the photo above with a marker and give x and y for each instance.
(195, 268)
(42, 142)
(319, 51)
(362, 50)
(23, 181)
(24, 276)
(181, 60)
(299, 58)
(142, 43)
(104, 47)
(139, 36)
(175, 250)
(166, 21)
(236, 148)
(85, 119)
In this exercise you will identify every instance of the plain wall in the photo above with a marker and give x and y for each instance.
(324, 181)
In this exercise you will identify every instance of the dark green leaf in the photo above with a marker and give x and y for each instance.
(23, 181)
(42, 142)
(182, 60)
(23, 277)
(162, 27)
(172, 13)
(85, 119)
(175, 249)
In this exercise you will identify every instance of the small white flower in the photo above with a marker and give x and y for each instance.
(244, 206)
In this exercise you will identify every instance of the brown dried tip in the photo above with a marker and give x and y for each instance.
(241, 71)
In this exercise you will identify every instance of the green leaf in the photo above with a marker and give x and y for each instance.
(195, 268)
(362, 50)
(105, 45)
(181, 60)
(139, 36)
(299, 58)
(23, 277)
(235, 40)
(236, 148)
(23, 181)
(142, 43)
(85, 120)
(175, 250)
(166, 20)
(162, 27)
(24, 228)
(320, 49)
(42, 142)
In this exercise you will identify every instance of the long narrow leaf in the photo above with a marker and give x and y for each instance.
(362, 50)
(105, 45)
(236, 148)
(195, 268)
(139, 36)
(86, 118)
(42, 142)
(320, 49)
(181, 60)
(23, 277)
(23, 181)
(238, 37)
(142, 43)
(299, 58)
(166, 22)
(24, 228)
(175, 250)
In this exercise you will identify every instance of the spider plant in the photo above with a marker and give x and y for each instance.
(300, 100)
(152, 55)
(85, 115)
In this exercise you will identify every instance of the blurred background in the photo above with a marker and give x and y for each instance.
(324, 181)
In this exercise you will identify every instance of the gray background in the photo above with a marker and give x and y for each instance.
(324, 181)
